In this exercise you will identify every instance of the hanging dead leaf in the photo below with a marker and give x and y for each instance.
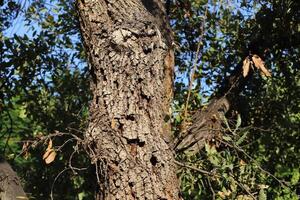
(246, 66)
(25, 148)
(260, 64)
(46, 154)
(265, 71)
(50, 158)
(49, 145)
(50, 153)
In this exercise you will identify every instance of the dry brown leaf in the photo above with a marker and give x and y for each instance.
(49, 145)
(243, 163)
(260, 64)
(265, 71)
(51, 157)
(46, 154)
(25, 146)
(246, 66)
(49, 152)
(25, 150)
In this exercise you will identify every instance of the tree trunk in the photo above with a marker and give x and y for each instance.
(128, 44)
(10, 185)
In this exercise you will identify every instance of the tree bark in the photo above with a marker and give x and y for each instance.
(10, 185)
(128, 44)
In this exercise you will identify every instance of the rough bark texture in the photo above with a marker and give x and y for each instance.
(128, 44)
(10, 185)
(207, 123)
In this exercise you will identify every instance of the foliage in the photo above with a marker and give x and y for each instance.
(44, 90)
(242, 163)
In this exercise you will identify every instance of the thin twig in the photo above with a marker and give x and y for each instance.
(10, 131)
(211, 189)
(194, 67)
(235, 147)
(194, 168)
(66, 142)
(52, 186)
(243, 187)
(254, 161)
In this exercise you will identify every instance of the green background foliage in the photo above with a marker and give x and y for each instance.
(45, 89)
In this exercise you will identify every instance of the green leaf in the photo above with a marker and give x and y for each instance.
(295, 177)
(242, 138)
(262, 195)
(22, 114)
(226, 123)
(227, 138)
(238, 123)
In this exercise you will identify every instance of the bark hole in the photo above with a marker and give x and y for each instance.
(130, 184)
(136, 141)
(144, 96)
(97, 99)
(153, 160)
(140, 80)
(116, 84)
(130, 117)
(103, 74)
(93, 75)
(147, 49)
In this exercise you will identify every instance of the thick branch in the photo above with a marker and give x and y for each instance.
(207, 123)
